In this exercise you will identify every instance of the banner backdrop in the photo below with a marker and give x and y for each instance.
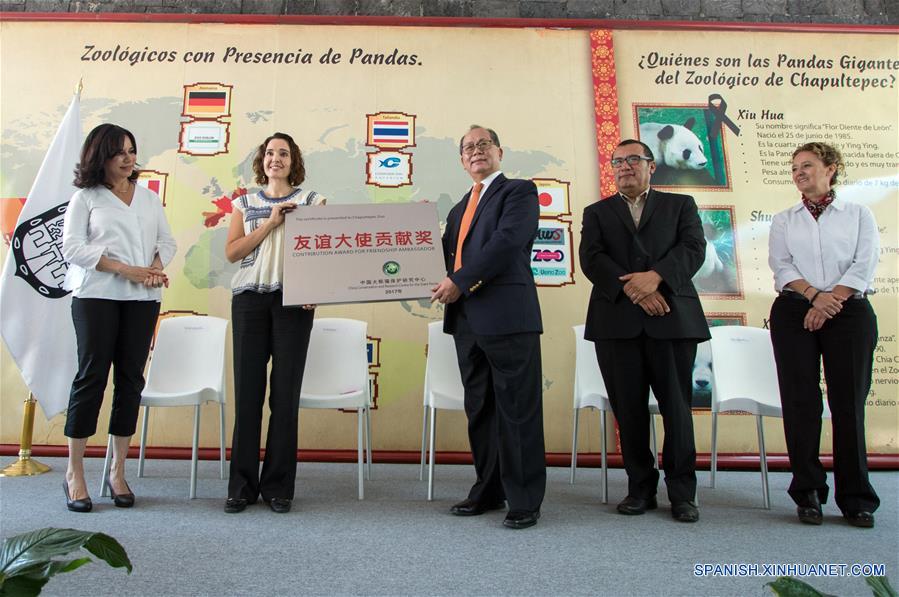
(378, 112)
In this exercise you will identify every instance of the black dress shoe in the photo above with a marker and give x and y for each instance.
(521, 519)
(235, 505)
(279, 505)
(82, 505)
(635, 505)
(861, 518)
(473, 508)
(684, 512)
(809, 510)
(121, 500)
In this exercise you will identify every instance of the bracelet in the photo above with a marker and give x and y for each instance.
(804, 290)
(814, 296)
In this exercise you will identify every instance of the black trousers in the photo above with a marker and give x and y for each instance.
(263, 329)
(630, 367)
(109, 333)
(504, 405)
(846, 345)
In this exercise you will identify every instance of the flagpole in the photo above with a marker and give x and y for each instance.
(26, 466)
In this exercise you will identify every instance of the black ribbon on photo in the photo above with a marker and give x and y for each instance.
(718, 107)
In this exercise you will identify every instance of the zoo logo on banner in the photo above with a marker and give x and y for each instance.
(551, 254)
(388, 169)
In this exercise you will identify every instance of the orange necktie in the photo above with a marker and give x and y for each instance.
(466, 222)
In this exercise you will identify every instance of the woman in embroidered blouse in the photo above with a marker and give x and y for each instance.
(823, 252)
(117, 242)
(263, 328)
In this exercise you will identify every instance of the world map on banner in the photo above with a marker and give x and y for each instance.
(204, 265)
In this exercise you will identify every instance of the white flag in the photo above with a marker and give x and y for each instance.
(35, 312)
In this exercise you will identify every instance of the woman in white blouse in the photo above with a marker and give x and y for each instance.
(117, 242)
(823, 252)
(264, 329)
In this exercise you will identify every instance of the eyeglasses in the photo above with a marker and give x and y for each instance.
(482, 145)
(632, 160)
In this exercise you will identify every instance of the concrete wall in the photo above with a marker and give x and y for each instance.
(870, 12)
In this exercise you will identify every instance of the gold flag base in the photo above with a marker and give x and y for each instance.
(25, 466)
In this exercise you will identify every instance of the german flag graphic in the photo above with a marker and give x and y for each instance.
(207, 101)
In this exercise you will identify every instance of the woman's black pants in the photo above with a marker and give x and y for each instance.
(109, 333)
(263, 329)
(846, 346)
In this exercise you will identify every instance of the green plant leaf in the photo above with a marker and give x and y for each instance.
(27, 560)
(76, 564)
(880, 586)
(20, 551)
(22, 586)
(108, 549)
(49, 568)
(787, 586)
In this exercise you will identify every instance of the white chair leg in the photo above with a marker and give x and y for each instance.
(763, 463)
(143, 442)
(104, 492)
(431, 443)
(603, 458)
(360, 424)
(222, 440)
(368, 442)
(714, 465)
(574, 445)
(193, 458)
(424, 435)
(652, 441)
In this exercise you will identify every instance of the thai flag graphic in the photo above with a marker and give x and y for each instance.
(390, 131)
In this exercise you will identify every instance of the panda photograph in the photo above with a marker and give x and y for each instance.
(689, 152)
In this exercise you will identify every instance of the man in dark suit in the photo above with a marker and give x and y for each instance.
(641, 248)
(494, 317)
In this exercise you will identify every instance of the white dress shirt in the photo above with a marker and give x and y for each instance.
(840, 248)
(486, 182)
(98, 223)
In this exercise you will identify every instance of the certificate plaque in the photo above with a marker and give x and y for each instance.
(361, 253)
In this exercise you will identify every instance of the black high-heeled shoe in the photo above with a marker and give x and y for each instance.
(82, 505)
(121, 500)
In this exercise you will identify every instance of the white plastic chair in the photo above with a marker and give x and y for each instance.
(590, 392)
(187, 368)
(653, 441)
(745, 380)
(443, 389)
(336, 376)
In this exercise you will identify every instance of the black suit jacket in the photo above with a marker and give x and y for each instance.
(496, 280)
(669, 241)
